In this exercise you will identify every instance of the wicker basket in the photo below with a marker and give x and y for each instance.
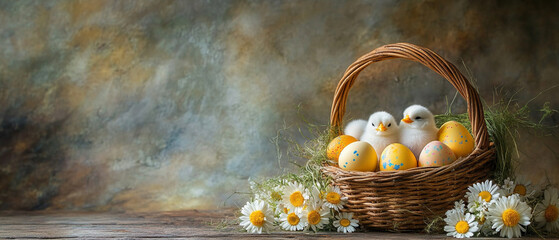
(408, 200)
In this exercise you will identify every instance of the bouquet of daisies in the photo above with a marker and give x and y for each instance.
(291, 206)
(506, 210)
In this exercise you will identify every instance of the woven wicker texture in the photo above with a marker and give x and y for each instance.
(409, 199)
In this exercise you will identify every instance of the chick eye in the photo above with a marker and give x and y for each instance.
(373, 124)
(417, 118)
(390, 124)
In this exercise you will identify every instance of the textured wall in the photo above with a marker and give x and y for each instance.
(161, 105)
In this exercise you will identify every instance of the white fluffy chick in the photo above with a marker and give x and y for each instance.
(417, 128)
(381, 130)
(355, 128)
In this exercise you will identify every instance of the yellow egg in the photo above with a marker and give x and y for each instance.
(397, 157)
(337, 145)
(435, 154)
(457, 138)
(358, 156)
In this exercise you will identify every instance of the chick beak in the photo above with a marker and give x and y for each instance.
(407, 119)
(381, 128)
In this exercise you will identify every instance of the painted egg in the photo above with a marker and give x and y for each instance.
(337, 145)
(397, 157)
(435, 154)
(358, 156)
(457, 138)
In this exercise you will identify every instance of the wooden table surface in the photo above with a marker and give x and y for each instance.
(191, 224)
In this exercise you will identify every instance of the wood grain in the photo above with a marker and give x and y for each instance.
(189, 224)
(193, 224)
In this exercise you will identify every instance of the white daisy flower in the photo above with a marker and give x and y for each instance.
(295, 196)
(521, 186)
(256, 217)
(316, 195)
(509, 216)
(486, 191)
(345, 222)
(333, 198)
(280, 208)
(460, 225)
(317, 216)
(480, 196)
(293, 220)
(547, 212)
(458, 207)
(507, 187)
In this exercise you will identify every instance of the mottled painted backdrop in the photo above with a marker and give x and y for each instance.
(163, 105)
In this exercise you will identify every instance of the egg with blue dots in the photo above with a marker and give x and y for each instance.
(397, 157)
(435, 154)
(358, 156)
(337, 145)
(457, 138)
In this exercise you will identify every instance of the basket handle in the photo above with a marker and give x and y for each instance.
(431, 60)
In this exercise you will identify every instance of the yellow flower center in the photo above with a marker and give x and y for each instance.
(510, 217)
(276, 196)
(321, 195)
(293, 219)
(345, 222)
(462, 227)
(296, 199)
(285, 210)
(520, 189)
(485, 195)
(313, 217)
(551, 213)
(257, 218)
(333, 197)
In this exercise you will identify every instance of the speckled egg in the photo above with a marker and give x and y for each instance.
(435, 154)
(337, 145)
(358, 156)
(457, 138)
(397, 157)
